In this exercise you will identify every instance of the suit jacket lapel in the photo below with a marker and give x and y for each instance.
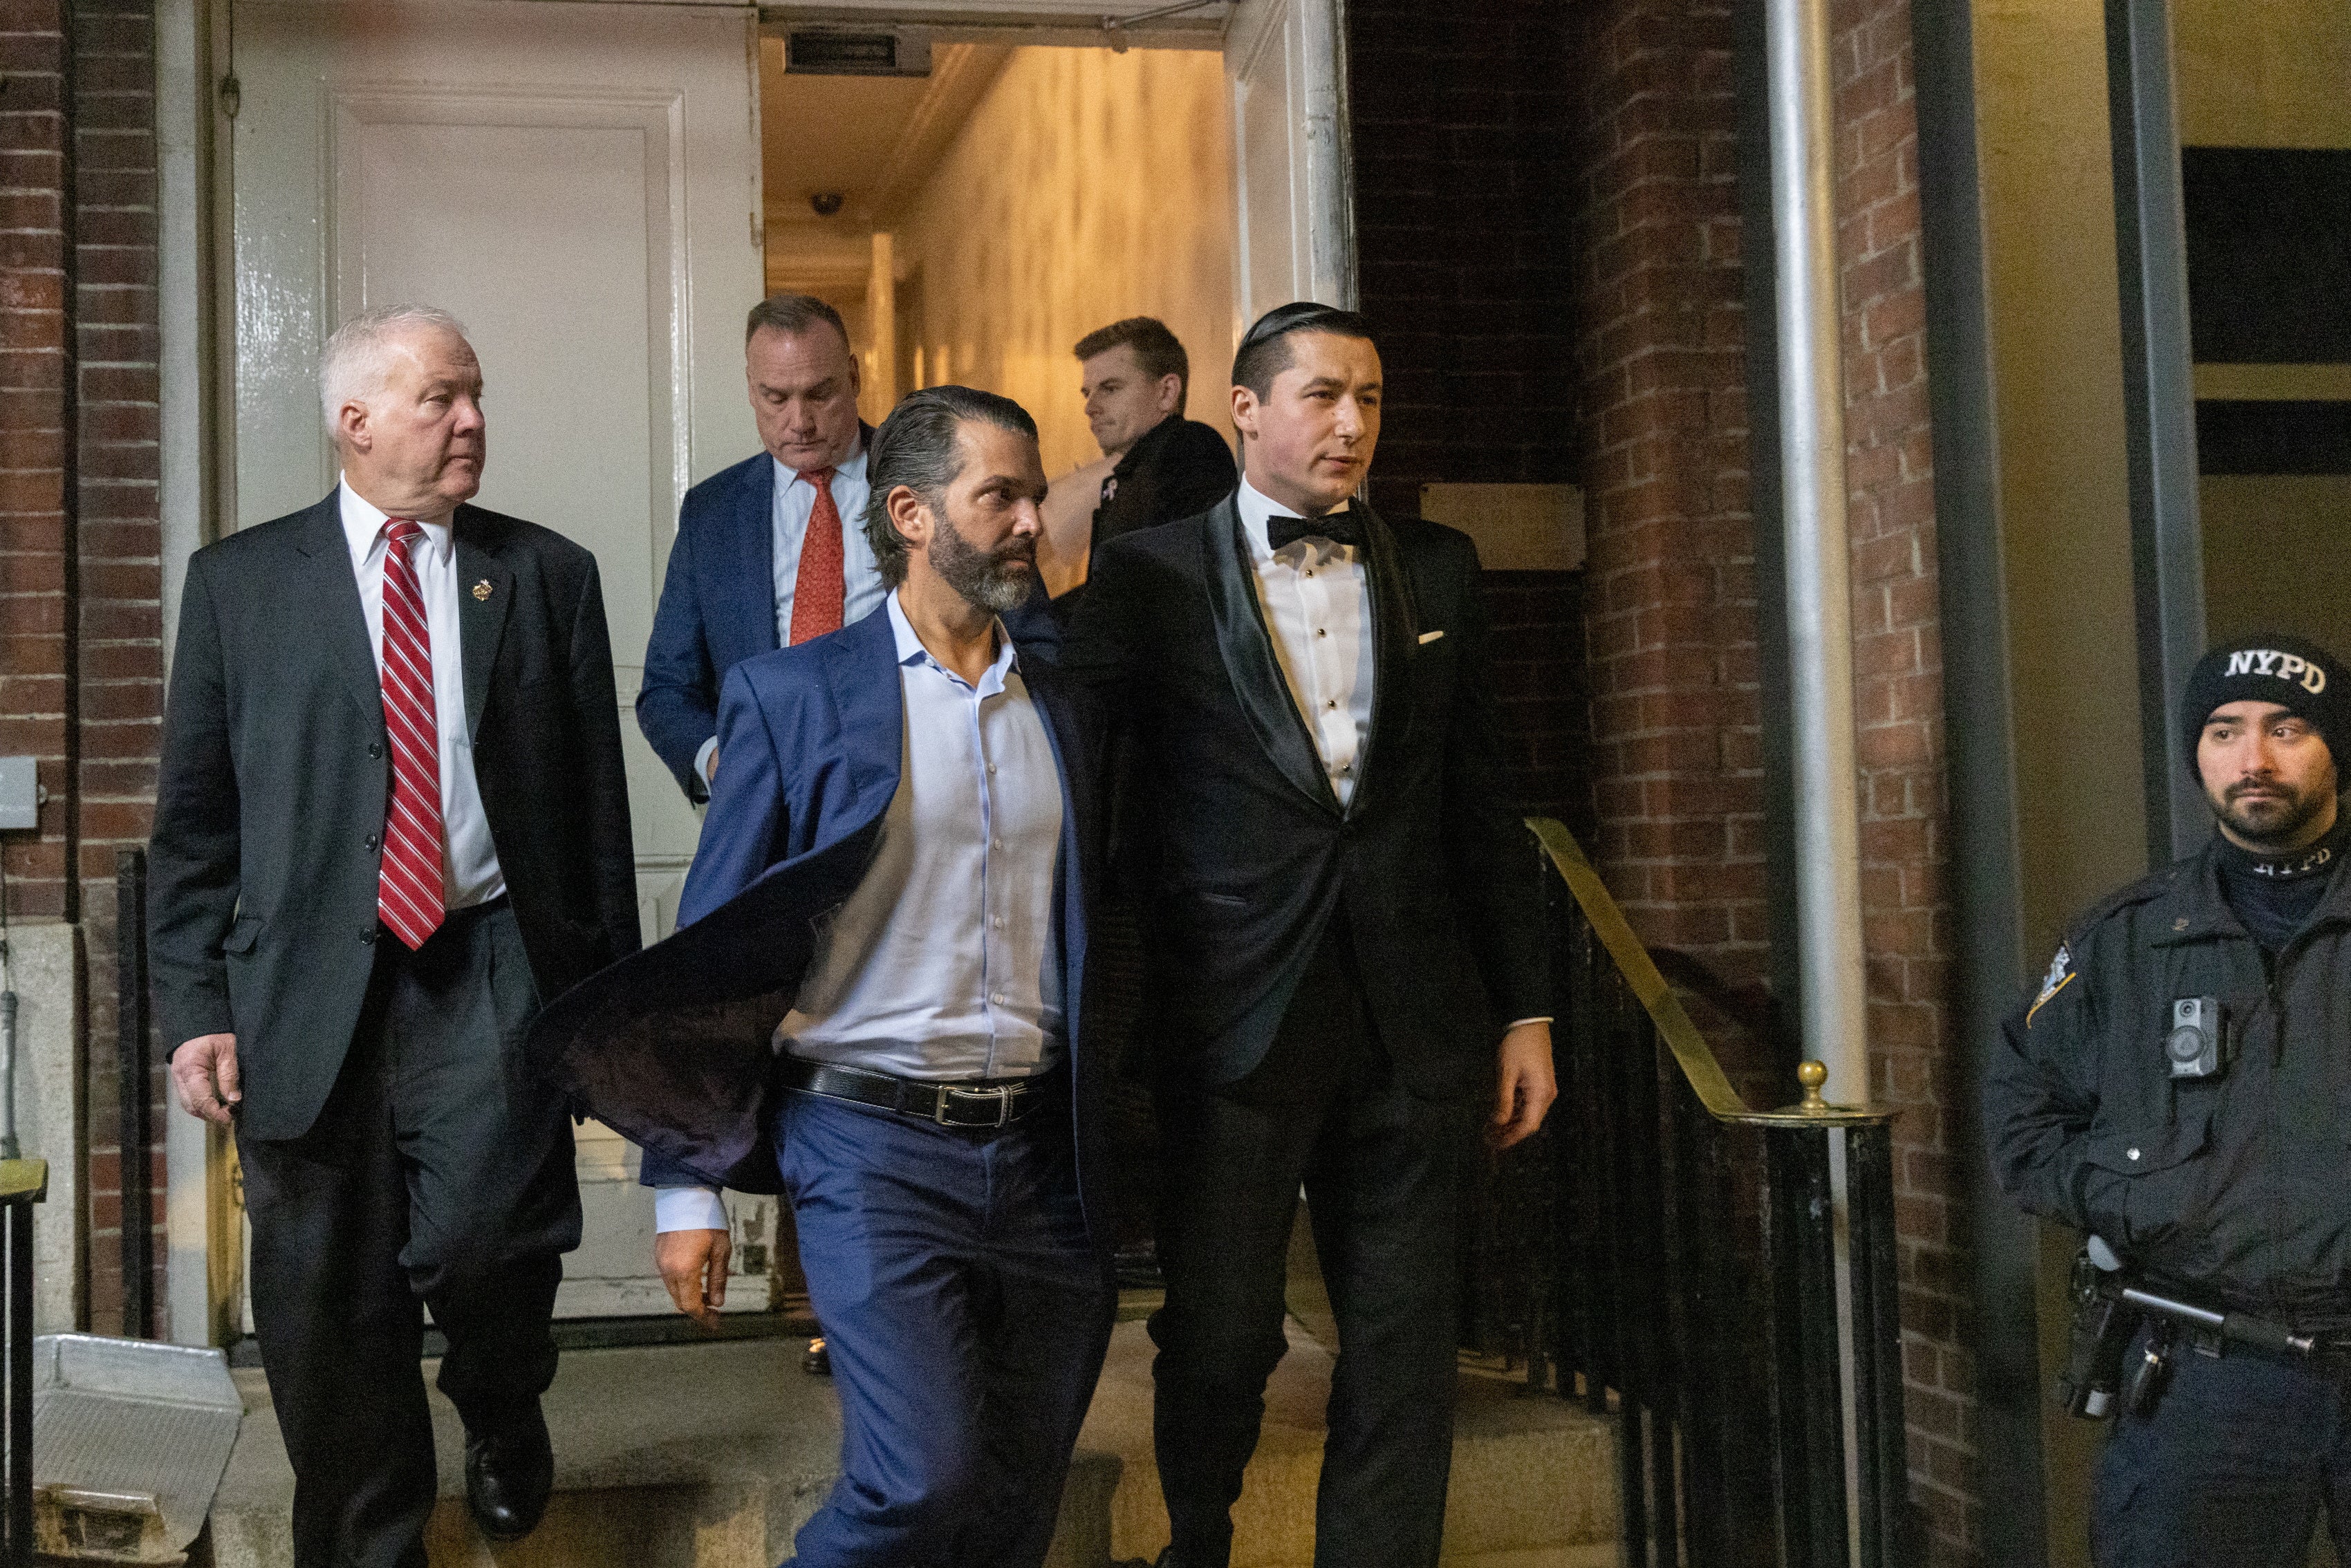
(748, 567)
(326, 605)
(1393, 627)
(1245, 644)
(481, 617)
(860, 664)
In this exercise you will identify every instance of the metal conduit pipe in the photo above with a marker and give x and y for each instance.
(1819, 595)
(1834, 1007)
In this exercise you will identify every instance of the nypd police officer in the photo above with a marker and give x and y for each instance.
(2180, 1087)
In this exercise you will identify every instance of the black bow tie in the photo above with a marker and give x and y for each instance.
(1339, 527)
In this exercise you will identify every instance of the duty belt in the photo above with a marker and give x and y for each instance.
(982, 1103)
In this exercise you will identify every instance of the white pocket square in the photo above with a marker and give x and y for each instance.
(1430, 636)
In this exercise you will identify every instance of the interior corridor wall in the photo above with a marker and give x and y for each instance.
(1086, 186)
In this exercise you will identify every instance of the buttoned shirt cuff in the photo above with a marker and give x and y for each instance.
(688, 1208)
(702, 759)
(1516, 1022)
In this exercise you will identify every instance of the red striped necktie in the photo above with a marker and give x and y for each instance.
(410, 894)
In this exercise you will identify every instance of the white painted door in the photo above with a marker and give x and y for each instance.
(1293, 179)
(580, 184)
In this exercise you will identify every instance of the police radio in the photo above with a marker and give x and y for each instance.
(2193, 1046)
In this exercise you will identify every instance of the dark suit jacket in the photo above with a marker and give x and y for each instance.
(673, 1047)
(274, 779)
(1243, 853)
(1178, 468)
(717, 608)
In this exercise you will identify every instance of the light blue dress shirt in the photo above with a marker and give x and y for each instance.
(860, 577)
(945, 964)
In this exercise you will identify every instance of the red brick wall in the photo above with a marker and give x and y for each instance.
(1459, 117)
(1662, 422)
(37, 555)
(1898, 701)
(1671, 611)
(120, 613)
(81, 618)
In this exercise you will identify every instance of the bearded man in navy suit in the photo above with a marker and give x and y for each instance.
(874, 1001)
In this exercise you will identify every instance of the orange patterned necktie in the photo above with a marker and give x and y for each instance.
(820, 593)
(409, 895)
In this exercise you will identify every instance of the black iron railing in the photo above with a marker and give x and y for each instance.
(1676, 1260)
(23, 1183)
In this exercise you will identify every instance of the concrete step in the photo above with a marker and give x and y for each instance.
(711, 1456)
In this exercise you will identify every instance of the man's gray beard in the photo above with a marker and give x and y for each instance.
(2300, 813)
(983, 578)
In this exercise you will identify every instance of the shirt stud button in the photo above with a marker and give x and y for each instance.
(2130, 1154)
(1319, 633)
(1333, 703)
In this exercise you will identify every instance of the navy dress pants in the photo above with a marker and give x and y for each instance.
(967, 1311)
(2230, 1469)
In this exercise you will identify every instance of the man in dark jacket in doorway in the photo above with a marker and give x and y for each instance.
(2180, 1086)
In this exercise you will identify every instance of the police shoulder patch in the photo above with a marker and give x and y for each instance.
(2060, 975)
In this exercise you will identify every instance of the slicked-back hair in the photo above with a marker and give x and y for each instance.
(917, 446)
(792, 314)
(1157, 349)
(356, 360)
(1265, 351)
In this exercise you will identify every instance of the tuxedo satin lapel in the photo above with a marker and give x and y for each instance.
(1245, 644)
(324, 607)
(860, 665)
(481, 616)
(1393, 627)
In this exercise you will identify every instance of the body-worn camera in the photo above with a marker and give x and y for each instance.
(2194, 1045)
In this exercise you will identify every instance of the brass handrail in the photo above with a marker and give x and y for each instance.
(1691, 1052)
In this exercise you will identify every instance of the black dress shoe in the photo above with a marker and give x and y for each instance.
(508, 1474)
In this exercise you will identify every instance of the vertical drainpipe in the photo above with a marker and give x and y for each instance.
(1819, 593)
(1834, 1005)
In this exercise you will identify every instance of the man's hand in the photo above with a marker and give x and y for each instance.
(1524, 1086)
(710, 768)
(693, 1264)
(203, 1075)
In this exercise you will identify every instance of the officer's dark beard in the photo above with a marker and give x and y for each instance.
(998, 580)
(2274, 819)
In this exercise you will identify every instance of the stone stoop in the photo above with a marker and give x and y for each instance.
(1534, 1479)
(711, 1456)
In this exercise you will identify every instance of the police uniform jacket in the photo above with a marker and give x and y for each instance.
(2234, 1190)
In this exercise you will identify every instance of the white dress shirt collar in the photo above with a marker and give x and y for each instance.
(1256, 506)
(363, 523)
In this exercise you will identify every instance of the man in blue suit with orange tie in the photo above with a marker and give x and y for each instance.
(768, 552)
(875, 1001)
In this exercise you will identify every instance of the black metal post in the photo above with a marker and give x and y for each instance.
(131, 1089)
(1809, 1389)
(1877, 1349)
(17, 1241)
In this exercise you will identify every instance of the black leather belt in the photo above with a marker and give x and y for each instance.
(984, 1103)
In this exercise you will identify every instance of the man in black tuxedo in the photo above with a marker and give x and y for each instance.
(1343, 935)
(390, 820)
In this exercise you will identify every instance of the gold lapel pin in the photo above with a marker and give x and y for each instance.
(482, 588)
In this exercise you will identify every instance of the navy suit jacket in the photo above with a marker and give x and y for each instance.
(717, 609)
(673, 1046)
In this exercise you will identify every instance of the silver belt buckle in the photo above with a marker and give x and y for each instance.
(1001, 1094)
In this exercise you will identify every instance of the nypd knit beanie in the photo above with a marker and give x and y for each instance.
(2292, 671)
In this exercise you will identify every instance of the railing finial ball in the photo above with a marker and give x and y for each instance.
(1812, 1076)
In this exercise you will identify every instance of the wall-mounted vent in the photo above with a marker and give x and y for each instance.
(901, 52)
